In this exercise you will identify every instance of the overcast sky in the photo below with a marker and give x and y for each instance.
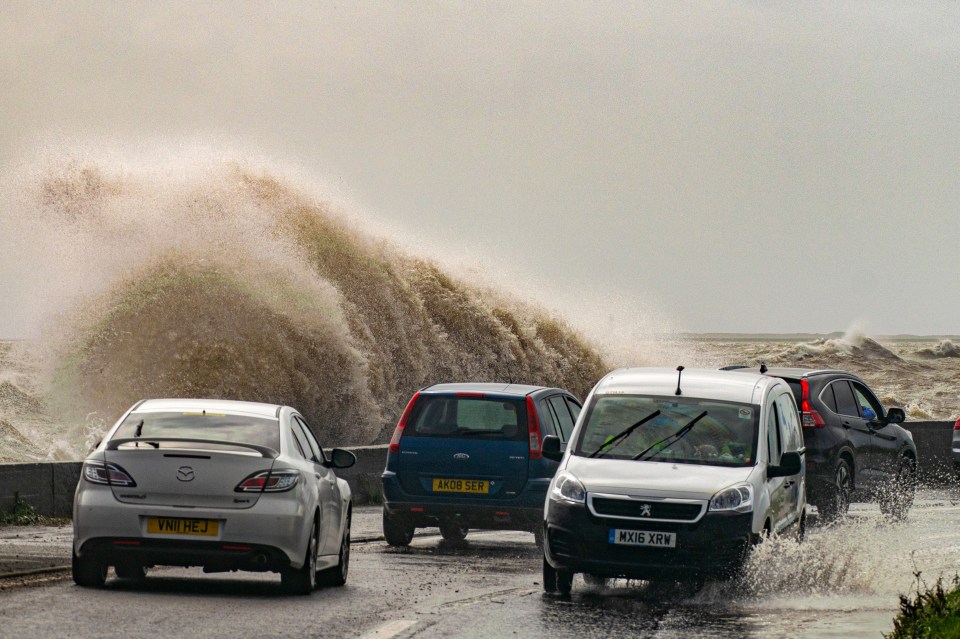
(737, 166)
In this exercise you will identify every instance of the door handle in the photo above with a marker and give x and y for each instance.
(317, 475)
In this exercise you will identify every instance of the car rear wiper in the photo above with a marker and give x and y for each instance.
(139, 432)
(677, 436)
(619, 437)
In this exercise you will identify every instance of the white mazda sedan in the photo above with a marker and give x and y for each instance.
(225, 485)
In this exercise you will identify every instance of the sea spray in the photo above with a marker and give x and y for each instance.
(226, 281)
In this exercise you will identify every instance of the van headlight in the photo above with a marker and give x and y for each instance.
(739, 499)
(568, 488)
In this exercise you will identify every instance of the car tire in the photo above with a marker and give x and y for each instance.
(337, 576)
(303, 580)
(453, 530)
(89, 572)
(564, 582)
(397, 531)
(835, 503)
(549, 578)
(898, 498)
(131, 570)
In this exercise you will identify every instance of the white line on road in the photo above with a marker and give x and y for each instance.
(390, 629)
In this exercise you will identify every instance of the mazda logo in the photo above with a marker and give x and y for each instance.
(461, 456)
(185, 473)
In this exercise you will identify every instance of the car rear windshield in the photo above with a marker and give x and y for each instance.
(717, 433)
(223, 427)
(456, 416)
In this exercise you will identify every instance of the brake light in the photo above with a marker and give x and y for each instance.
(533, 429)
(809, 418)
(269, 481)
(957, 425)
(465, 394)
(97, 472)
(398, 431)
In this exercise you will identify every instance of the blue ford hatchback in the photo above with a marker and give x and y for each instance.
(469, 456)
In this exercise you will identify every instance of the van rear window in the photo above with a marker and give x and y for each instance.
(468, 417)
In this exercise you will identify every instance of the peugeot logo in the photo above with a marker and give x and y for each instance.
(185, 473)
(461, 456)
(645, 511)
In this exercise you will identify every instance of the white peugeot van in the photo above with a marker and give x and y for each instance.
(672, 475)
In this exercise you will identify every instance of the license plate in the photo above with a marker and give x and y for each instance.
(643, 538)
(177, 526)
(461, 486)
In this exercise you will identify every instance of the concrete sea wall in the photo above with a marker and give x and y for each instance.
(49, 486)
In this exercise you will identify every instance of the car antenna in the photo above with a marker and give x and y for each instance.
(763, 368)
(679, 373)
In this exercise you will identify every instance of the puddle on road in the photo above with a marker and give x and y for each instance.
(843, 581)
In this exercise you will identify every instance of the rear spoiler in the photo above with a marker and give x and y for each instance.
(264, 451)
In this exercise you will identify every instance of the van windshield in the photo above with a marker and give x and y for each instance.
(460, 416)
(670, 429)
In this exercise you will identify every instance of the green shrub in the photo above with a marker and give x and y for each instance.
(931, 613)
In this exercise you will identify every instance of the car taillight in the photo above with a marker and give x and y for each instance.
(269, 481)
(809, 418)
(957, 425)
(533, 430)
(398, 431)
(97, 472)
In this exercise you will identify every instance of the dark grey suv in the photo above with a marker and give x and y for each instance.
(855, 450)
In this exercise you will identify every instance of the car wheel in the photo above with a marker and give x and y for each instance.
(453, 530)
(302, 581)
(564, 581)
(337, 576)
(88, 571)
(131, 570)
(549, 577)
(836, 503)
(397, 530)
(898, 498)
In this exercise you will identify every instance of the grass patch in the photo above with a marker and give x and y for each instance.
(930, 613)
(23, 514)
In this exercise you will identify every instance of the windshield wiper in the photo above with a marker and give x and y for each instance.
(139, 432)
(619, 437)
(675, 436)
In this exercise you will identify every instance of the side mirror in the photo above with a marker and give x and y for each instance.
(551, 448)
(790, 464)
(340, 458)
(896, 416)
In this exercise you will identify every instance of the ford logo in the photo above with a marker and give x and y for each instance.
(461, 456)
(185, 473)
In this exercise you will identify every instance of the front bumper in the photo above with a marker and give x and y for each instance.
(523, 512)
(267, 536)
(578, 541)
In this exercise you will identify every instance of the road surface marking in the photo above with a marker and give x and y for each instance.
(390, 629)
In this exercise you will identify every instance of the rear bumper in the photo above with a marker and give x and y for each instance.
(212, 555)
(275, 529)
(715, 545)
(523, 512)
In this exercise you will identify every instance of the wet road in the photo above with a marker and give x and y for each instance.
(842, 582)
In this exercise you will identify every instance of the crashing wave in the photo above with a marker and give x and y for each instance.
(227, 282)
(946, 348)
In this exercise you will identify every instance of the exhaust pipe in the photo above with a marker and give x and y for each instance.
(260, 559)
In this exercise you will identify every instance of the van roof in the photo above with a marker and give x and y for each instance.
(701, 383)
